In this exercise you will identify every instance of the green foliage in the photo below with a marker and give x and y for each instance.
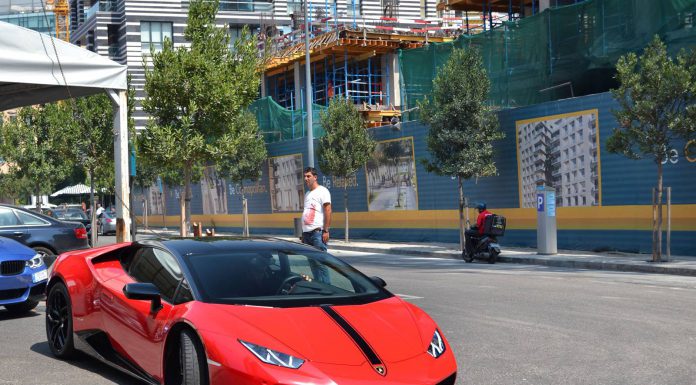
(91, 137)
(462, 126)
(197, 97)
(239, 154)
(657, 98)
(36, 148)
(347, 145)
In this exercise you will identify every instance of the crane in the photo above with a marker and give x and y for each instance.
(61, 10)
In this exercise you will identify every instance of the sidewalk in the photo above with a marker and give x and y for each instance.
(612, 261)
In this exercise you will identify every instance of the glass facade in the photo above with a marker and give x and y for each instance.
(153, 33)
(40, 22)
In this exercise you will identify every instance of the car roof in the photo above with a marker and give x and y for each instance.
(216, 245)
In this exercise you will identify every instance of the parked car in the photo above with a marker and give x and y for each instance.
(46, 235)
(239, 311)
(106, 223)
(23, 276)
(72, 214)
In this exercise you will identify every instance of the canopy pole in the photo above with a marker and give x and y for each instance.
(123, 217)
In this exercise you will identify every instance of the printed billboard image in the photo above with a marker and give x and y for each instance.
(214, 192)
(561, 151)
(286, 183)
(391, 176)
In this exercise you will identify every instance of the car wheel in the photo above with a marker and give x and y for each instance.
(492, 257)
(48, 254)
(192, 360)
(21, 308)
(59, 328)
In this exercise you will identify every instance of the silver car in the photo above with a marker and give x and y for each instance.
(106, 223)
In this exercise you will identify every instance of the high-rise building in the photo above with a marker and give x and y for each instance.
(30, 14)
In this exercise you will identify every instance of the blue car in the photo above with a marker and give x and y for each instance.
(23, 276)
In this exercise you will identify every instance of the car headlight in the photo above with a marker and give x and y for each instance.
(437, 345)
(273, 357)
(35, 262)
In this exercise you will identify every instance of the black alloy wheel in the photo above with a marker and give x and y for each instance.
(59, 330)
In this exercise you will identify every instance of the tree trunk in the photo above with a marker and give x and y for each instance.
(345, 205)
(658, 255)
(461, 212)
(245, 213)
(37, 192)
(182, 215)
(187, 195)
(93, 211)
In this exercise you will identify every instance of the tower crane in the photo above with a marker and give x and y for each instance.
(61, 10)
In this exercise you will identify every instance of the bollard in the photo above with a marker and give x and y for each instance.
(297, 222)
(197, 230)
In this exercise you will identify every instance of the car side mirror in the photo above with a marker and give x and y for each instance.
(378, 281)
(146, 292)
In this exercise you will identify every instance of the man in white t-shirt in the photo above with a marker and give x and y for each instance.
(316, 217)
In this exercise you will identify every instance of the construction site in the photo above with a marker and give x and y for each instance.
(359, 60)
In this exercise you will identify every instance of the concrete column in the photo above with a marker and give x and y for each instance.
(392, 66)
(263, 85)
(298, 85)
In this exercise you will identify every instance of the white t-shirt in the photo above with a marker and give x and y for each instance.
(313, 214)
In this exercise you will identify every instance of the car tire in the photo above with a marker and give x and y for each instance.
(192, 360)
(59, 322)
(21, 308)
(48, 254)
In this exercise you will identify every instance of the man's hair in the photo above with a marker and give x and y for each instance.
(310, 169)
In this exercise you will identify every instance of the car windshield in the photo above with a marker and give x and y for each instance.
(70, 215)
(280, 279)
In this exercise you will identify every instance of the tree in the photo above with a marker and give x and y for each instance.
(36, 149)
(196, 95)
(92, 143)
(239, 157)
(346, 146)
(657, 105)
(462, 126)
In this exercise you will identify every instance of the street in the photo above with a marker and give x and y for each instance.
(507, 324)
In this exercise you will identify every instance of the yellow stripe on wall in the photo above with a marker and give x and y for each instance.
(635, 217)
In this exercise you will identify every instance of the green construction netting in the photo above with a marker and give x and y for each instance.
(559, 53)
(278, 123)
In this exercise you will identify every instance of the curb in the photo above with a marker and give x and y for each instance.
(565, 263)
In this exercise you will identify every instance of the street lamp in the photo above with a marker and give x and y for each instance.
(308, 91)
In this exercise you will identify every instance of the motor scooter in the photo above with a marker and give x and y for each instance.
(486, 246)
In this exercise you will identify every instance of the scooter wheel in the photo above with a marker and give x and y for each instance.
(492, 258)
(467, 258)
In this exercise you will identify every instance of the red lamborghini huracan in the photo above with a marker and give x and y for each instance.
(237, 312)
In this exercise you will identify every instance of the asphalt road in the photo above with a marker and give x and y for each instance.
(507, 324)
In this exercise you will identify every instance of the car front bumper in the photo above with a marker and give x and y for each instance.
(21, 288)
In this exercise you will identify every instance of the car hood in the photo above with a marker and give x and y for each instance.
(11, 250)
(387, 326)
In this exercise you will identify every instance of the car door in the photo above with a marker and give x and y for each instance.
(137, 329)
(10, 226)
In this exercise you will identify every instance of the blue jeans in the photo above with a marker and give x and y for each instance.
(320, 271)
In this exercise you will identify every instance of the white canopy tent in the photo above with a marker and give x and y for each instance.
(37, 68)
(78, 189)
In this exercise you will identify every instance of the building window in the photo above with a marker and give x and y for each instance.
(153, 33)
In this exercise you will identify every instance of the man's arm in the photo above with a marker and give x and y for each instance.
(327, 222)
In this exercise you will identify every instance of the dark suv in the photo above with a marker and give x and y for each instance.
(46, 235)
(72, 214)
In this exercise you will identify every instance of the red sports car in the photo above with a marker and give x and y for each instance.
(239, 311)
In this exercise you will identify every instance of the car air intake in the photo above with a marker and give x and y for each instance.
(11, 294)
(449, 380)
(12, 267)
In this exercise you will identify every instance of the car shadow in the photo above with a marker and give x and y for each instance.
(85, 362)
(8, 315)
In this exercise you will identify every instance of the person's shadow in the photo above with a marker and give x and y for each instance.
(85, 362)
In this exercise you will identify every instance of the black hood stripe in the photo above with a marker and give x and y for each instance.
(354, 335)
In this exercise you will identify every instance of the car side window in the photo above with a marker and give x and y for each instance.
(156, 266)
(28, 219)
(7, 217)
